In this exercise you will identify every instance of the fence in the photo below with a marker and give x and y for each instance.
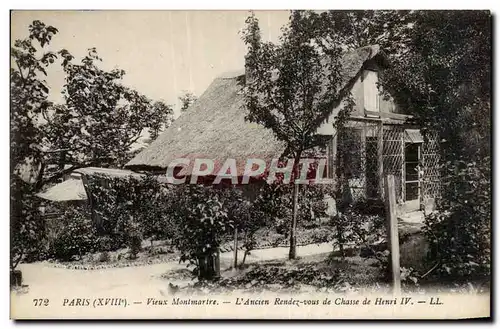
(369, 149)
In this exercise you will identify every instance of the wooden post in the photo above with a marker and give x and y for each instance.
(292, 254)
(392, 233)
(380, 159)
(403, 168)
(235, 246)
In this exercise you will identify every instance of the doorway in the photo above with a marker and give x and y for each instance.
(412, 176)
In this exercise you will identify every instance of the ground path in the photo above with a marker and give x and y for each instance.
(45, 281)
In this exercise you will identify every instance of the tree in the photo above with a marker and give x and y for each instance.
(102, 118)
(444, 77)
(187, 99)
(291, 87)
(98, 123)
(96, 126)
(440, 73)
(201, 214)
(355, 29)
(164, 118)
(28, 100)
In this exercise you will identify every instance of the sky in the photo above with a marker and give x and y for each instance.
(164, 53)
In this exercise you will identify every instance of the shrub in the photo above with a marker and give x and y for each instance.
(27, 226)
(127, 204)
(134, 245)
(104, 257)
(354, 226)
(76, 237)
(274, 205)
(459, 231)
(201, 213)
(109, 243)
(321, 235)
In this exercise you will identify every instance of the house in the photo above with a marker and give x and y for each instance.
(376, 140)
(71, 190)
(74, 189)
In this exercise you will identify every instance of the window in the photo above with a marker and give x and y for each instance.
(350, 146)
(371, 167)
(370, 80)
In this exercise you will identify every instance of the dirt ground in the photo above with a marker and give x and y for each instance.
(43, 279)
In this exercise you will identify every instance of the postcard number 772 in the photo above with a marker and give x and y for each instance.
(40, 301)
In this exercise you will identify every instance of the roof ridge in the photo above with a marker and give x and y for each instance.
(231, 74)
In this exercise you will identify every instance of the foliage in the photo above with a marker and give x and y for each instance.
(187, 99)
(359, 28)
(440, 72)
(27, 226)
(274, 201)
(104, 257)
(29, 92)
(409, 277)
(130, 208)
(75, 236)
(28, 99)
(444, 77)
(460, 231)
(291, 87)
(101, 118)
(201, 214)
(97, 125)
(135, 245)
(359, 225)
(268, 275)
(163, 118)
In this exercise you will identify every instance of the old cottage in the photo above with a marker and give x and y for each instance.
(376, 141)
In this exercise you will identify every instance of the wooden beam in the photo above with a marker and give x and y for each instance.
(388, 115)
(392, 233)
(380, 159)
(333, 175)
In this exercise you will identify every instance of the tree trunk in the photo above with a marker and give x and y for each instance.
(244, 257)
(292, 254)
(235, 246)
(209, 265)
(293, 239)
(340, 238)
(39, 177)
(16, 278)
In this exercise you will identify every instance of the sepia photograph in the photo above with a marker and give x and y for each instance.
(250, 164)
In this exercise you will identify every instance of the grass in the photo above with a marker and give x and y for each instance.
(321, 272)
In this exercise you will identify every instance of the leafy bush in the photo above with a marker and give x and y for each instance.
(201, 214)
(128, 208)
(459, 232)
(27, 226)
(104, 257)
(134, 242)
(356, 226)
(76, 236)
(320, 235)
(274, 205)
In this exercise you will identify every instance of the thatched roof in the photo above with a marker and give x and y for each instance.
(214, 127)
